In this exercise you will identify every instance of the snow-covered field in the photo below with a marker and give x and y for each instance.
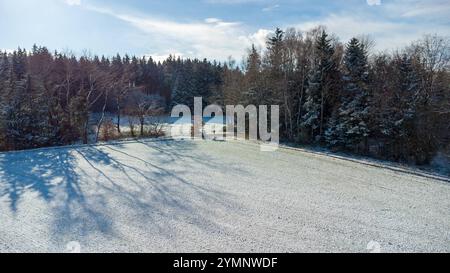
(199, 196)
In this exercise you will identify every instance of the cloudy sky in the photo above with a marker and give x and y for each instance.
(213, 29)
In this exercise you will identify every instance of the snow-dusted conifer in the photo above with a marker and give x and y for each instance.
(320, 84)
(351, 126)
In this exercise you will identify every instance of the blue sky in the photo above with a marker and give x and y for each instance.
(213, 29)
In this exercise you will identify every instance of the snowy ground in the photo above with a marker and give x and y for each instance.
(186, 196)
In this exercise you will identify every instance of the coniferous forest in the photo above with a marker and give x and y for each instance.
(343, 95)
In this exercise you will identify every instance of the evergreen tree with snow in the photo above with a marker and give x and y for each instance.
(402, 103)
(398, 117)
(252, 93)
(183, 86)
(19, 64)
(349, 128)
(275, 81)
(4, 73)
(321, 81)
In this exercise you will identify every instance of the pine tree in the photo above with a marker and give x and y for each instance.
(19, 64)
(252, 94)
(350, 127)
(321, 83)
(4, 82)
(203, 80)
(4, 72)
(275, 50)
(402, 103)
(183, 87)
(400, 112)
(274, 65)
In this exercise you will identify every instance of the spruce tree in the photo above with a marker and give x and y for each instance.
(4, 73)
(398, 117)
(321, 83)
(183, 87)
(252, 93)
(273, 93)
(402, 103)
(350, 127)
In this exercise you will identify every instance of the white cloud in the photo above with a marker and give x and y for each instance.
(7, 50)
(212, 20)
(212, 38)
(421, 8)
(158, 57)
(270, 8)
(73, 2)
(374, 2)
(233, 2)
(387, 34)
(259, 38)
(215, 38)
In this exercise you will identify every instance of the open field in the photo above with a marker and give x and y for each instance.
(200, 196)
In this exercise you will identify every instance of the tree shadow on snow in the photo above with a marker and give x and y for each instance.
(52, 174)
(94, 189)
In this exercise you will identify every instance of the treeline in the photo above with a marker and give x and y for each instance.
(49, 99)
(389, 105)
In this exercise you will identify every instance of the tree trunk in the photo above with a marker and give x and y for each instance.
(85, 131)
(99, 124)
(321, 115)
(118, 114)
